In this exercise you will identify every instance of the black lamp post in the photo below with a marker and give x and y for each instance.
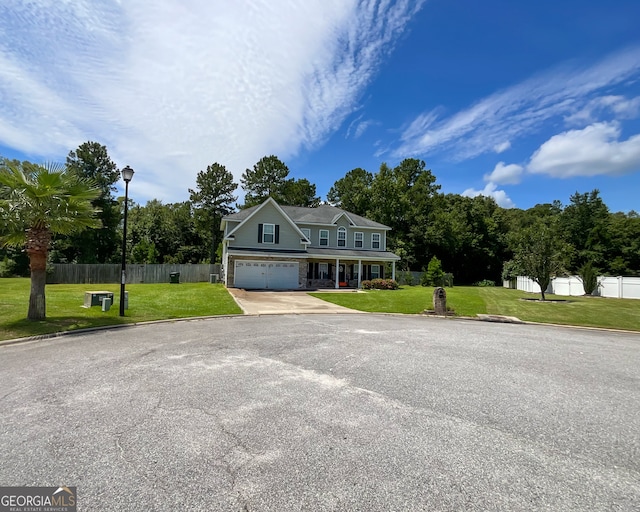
(127, 174)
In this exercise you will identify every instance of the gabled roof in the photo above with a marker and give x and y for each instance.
(255, 209)
(324, 214)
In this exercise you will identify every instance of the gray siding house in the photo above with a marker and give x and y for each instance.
(288, 247)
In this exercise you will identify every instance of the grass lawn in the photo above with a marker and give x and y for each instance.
(146, 302)
(470, 301)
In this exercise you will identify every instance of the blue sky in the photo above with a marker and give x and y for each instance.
(524, 101)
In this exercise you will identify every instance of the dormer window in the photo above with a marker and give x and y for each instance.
(342, 237)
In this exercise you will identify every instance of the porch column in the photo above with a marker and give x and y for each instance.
(225, 263)
(359, 273)
(393, 270)
(337, 273)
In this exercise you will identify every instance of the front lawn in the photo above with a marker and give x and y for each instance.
(470, 301)
(146, 302)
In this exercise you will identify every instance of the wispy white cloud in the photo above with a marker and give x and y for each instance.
(516, 111)
(363, 126)
(170, 86)
(620, 106)
(502, 147)
(505, 174)
(594, 150)
(491, 190)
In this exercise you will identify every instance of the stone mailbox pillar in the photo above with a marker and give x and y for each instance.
(440, 301)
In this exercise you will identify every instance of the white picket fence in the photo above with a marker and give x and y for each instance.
(621, 287)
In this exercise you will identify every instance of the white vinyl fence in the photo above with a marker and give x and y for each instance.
(620, 287)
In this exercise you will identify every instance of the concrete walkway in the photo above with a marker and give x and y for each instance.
(283, 302)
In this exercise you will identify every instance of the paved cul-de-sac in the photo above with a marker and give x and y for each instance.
(327, 412)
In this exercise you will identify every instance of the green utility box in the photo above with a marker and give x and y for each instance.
(95, 298)
(174, 277)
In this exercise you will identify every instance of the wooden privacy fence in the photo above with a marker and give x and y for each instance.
(77, 273)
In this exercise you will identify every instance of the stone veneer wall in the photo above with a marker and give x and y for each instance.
(302, 268)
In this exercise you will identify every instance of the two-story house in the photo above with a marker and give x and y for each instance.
(288, 247)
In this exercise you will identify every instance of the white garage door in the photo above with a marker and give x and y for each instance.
(271, 275)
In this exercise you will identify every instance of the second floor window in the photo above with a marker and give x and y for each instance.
(268, 233)
(358, 238)
(342, 237)
(324, 237)
(375, 240)
(306, 232)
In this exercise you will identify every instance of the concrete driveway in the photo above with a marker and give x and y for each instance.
(327, 413)
(283, 302)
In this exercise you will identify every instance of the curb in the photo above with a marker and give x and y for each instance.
(59, 334)
(479, 318)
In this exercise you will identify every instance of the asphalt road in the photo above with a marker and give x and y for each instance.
(327, 412)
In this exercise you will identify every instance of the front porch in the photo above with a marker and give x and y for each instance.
(345, 273)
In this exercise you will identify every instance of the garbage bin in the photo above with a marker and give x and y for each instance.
(174, 277)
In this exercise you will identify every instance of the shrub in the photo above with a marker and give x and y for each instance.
(510, 270)
(380, 284)
(405, 277)
(589, 277)
(7, 267)
(485, 282)
(435, 276)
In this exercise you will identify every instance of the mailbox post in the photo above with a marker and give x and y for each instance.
(440, 301)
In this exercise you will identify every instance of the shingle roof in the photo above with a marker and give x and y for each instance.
(323, 214)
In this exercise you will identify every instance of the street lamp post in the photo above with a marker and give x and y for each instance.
(127, 174)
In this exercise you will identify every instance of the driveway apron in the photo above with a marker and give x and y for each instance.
(283, 302)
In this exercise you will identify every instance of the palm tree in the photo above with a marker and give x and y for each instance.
(37, 202)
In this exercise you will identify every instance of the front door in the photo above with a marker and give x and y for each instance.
(342, 273)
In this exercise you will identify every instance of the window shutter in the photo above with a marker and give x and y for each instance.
(259, 233)
(381, 271)
(277, 233)
(316, 270)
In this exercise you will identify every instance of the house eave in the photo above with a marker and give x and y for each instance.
(329, 254)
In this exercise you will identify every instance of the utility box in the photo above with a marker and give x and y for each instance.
(106, 304)
(95, 298)
(214, 278)
(174, 277)
(126, 300)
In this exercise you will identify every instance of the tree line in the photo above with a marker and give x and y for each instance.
(473, 237)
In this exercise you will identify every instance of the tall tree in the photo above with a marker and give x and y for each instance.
(585, 225)
(267, 178)
(165, 233)
(91, 161)
(402, 198)
(213, 199)
(352, 192)
(468, 234)
(299, 193)
(623, 255)
(36, 202)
